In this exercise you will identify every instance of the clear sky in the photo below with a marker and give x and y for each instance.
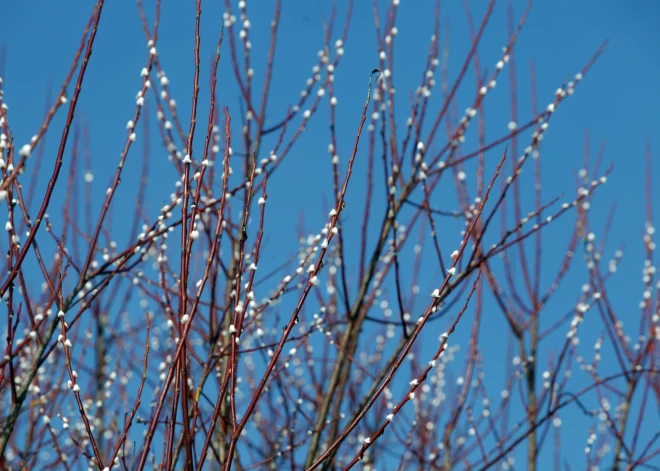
(617, 104)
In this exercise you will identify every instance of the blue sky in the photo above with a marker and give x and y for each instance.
(616, 104)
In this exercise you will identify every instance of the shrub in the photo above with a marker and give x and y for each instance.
(237, 296)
